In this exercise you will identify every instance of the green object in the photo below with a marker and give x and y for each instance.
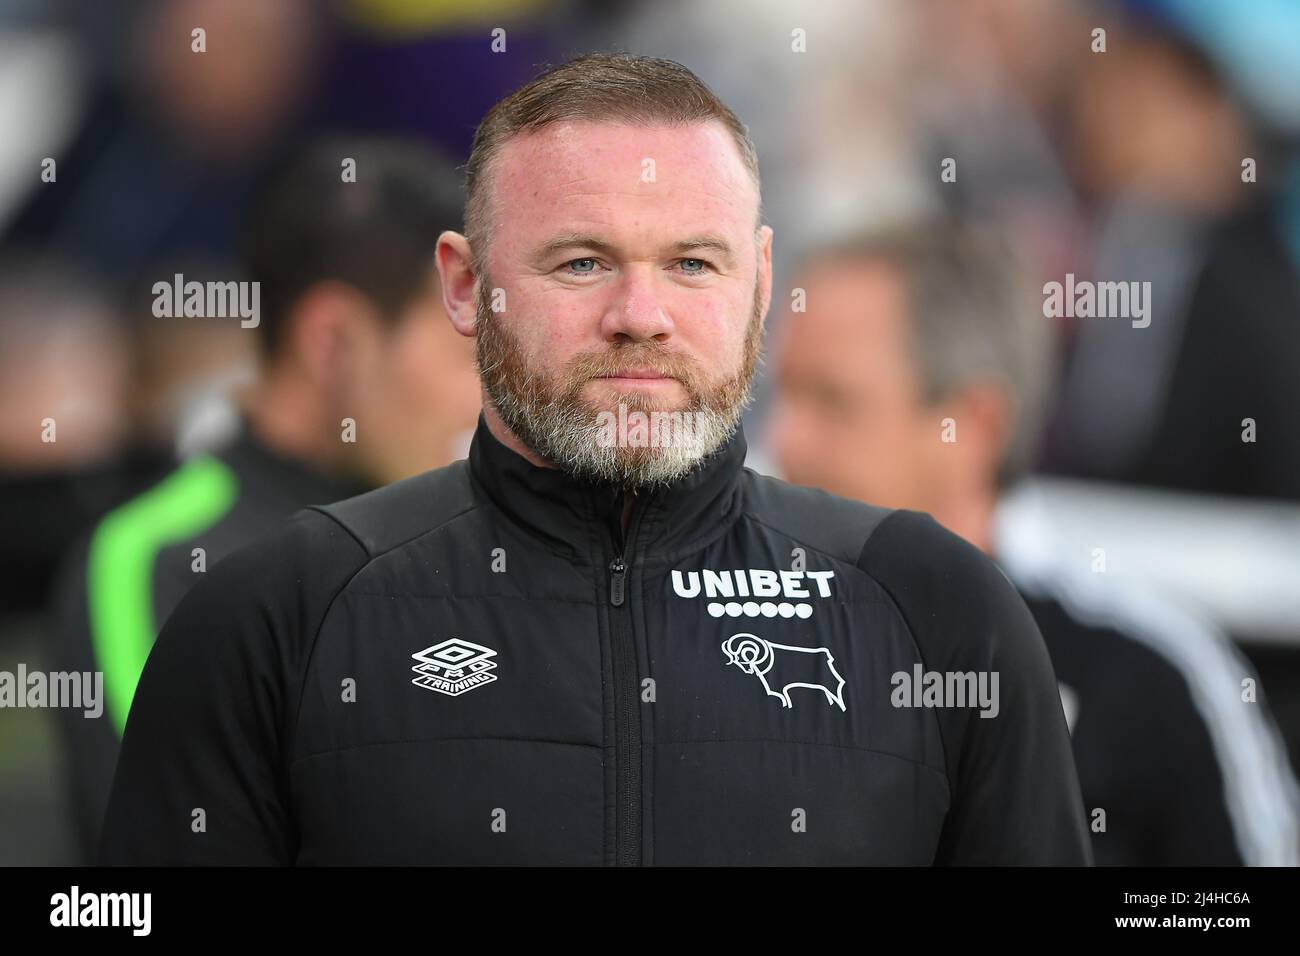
(120, 568)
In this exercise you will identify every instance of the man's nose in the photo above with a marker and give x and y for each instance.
(637, 312)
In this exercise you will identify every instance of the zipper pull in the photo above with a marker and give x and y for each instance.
(617, 569)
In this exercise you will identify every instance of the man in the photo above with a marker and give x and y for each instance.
(352, 328)
(916, 378)
(625, 650)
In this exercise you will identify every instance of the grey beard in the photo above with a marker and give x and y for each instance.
(576, 441)
(571, 434)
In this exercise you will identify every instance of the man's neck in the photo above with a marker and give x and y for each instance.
(972, 519)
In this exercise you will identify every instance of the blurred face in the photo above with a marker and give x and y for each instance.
(68, 361)
(416, 390)
(850, 414)
(617, 282)
(1145, 122)
(230, 102)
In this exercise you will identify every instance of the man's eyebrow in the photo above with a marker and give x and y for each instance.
(708, 242)
(573, 240)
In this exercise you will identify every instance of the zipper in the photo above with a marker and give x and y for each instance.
(627, 715)
(617, 574)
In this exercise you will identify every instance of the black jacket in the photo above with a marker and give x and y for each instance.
(1184, 772)
(121, 582)
(478, 665)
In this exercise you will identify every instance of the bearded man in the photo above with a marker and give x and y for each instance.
(576, 650)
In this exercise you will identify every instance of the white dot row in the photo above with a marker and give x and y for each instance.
(755, 609)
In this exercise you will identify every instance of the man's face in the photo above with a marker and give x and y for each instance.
(850, 414)
(415, 387)
(626, 270)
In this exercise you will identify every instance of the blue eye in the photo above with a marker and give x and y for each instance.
(687, 266)
(570, 266)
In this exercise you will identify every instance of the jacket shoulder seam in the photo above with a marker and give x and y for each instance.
(397, 545)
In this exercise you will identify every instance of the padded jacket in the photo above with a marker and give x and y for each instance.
(484, 665)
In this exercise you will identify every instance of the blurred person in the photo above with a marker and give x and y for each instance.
(1232, 371)
(1229, 421)
(181, 368)
(988, 85)
(1156, 141)
(352, 330)
(606, 641)
(1126, 164)
(113, 391)
(61, 357)
(916, 378)
(65, 426)
(64, 460)
(176, 130)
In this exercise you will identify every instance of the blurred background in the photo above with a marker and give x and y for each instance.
(1154, 504)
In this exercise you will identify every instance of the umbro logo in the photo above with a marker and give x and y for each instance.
(454, 667)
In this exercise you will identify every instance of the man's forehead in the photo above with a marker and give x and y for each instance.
(574, 163)
(849, 279)
(590, 145)
(848, 304)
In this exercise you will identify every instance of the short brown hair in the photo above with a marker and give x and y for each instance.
(597, 86)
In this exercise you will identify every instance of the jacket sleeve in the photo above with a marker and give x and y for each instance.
(202, 777)
(1015, 797)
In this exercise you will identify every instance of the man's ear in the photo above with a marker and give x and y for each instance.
(456, 278)
(989, 419)
(765, 235)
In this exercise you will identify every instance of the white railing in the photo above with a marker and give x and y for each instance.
(1235, 561)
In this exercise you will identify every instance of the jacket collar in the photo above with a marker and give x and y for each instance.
(583, 520)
